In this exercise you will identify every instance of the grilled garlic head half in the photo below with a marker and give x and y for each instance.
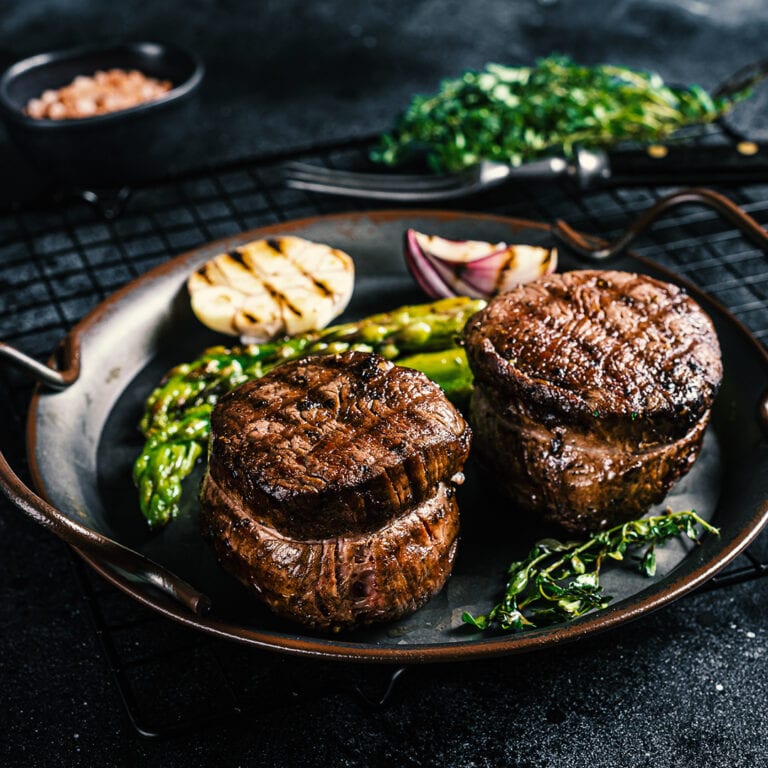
(271, 287)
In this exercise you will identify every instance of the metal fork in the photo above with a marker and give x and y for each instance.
(412, 187)
(586, 167)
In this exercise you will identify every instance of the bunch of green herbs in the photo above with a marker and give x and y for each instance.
(516, 114)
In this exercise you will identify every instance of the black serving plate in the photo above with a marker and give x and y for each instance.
(114, 148)
(83, 440)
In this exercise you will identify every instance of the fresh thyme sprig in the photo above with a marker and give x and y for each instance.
(559, 581)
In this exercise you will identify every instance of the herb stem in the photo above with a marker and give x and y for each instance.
(569, 585)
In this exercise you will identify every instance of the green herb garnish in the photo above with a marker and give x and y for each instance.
(559, 581)
(516, 114)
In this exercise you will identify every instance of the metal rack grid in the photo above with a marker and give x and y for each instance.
(60, 259)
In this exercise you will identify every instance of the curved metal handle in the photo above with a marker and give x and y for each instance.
(597, 250)
(57, 378)
(126, 560)
(133, 564)
(762, 411)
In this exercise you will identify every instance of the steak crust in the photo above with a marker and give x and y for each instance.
(577, 481)
(602, 351)
(334, 445)
(593, 390)
(330, 489)
(338, 582)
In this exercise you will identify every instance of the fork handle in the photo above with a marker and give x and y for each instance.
(741, 163)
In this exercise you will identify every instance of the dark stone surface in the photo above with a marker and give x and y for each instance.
(685, 687)
(285, 73)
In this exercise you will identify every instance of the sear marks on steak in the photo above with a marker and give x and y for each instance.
(336, 444)
(330, 488)
(601, 350)
(592, 393)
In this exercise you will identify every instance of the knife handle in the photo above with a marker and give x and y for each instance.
(744, 162)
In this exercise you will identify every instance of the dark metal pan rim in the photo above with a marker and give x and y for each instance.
(650, 599)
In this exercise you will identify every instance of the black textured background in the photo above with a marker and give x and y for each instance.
(685, 687)
(287, 73)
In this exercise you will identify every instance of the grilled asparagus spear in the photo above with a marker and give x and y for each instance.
(176, 421)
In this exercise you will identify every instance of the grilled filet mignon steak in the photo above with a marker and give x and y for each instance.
(592, 393)
(330, 488)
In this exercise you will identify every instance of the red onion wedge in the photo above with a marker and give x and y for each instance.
(473, 268)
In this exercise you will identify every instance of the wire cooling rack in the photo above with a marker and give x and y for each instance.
(60, 259)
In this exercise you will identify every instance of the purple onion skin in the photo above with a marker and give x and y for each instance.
(481, 278)
(423, 271)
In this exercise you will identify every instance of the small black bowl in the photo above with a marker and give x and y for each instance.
(104, 150)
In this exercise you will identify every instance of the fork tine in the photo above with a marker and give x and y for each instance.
(328, 177)
(394, 193)
(332, 175)
(376, 184)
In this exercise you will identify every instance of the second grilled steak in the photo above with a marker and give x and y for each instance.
(330, 489)
(593, 389)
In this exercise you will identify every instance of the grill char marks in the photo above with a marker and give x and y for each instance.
(278, 245)
(569, 346)
(329, 488)
(271, 286)
(335, 445)
(595, 388)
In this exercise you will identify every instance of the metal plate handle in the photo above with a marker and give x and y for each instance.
(598, 251)
(57, 378)
(132, 564)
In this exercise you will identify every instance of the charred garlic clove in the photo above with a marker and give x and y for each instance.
(472, 267)
(281, 285)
